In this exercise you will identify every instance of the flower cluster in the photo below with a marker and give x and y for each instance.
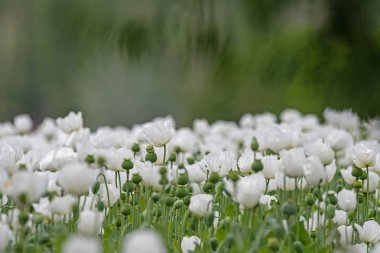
(265, 184)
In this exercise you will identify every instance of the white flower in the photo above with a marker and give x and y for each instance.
(90, 222)
(200, 204)
(363, 154)
(267, 200)
(26, 186)
(76, 178)
(76, 244)
(157, 133)
(345, 235)
(184, 139)
(346, 200)
(5, 236)
(314, 172)
(271, 165)
(143, 241)
(322, 150)
(340, 217)
(195, 173)
(339, 139)
(373, 182)
(55, 159)
(293, 161)
(245, 163)
(188, 244)
(71, 123)
(370, 232)
(245, 194)
(347, 175)
(8, 157)
(23, 123)
(63, 205)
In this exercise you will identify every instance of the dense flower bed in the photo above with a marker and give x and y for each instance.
(262, 185)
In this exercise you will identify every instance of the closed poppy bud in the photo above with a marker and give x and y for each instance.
(257, 166)
(254, 144)
(95, 187)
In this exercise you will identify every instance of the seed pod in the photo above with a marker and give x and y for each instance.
(288, 209)
(127, 164)
(183, 179)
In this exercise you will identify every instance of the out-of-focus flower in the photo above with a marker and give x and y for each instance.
(71, 123)
(271, 165)
(90, 222)
(247, 197)
(293, 161)
(346, 200)
(188, 244)
(63, 205)
(322, 150)
(157, 133)
(76, 178)
(143, 241)
(23, 123)
(200, 204)
(314, 172)
(345, 233)
(339, 139)
(5, 236)
(77, 244)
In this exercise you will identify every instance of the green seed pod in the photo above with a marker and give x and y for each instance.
(118, 221)
(126, 210)
(186, 200)
(288, 209)
(23, 218)
(233, 176)
(313, 234)
(273, 244)
(43, 239)
(298, 246)
(135, 148)
(123, 196)
(214, 243)
(318, 194)
(257, 166)
(181, 192)
(213, 177)
(164, 181)
(254, 144)
(229, 241)
(356, 172)
(361, 197)
(330, 211)
(208, 187)
(101, 161)
(351, 215)
(100, 206)
(149, 149)
(364, 176)
(23, 198)
(38, 219)
(157, 212)
(371, 213)
(90, 159)
(219, 188)
(177, 150)
(155, 197)
(358, 185)
(95, 187)
(339, 188)
(136, 179)
(209, 219)
(172, 157)
(163, 170)
(190, 160)
(178, 204)
(332, 199)
(183, 179)
(127, 164)
(309, 200)
(128, 186)
(151, 157)
(181, 166)
(169, 201)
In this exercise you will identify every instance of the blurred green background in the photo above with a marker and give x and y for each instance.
(124, 62)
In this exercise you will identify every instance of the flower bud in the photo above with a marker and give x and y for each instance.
(172, 157)
(190, 160)
(126, 210)
(136, 179)
(358, 185)
(100, 206)
(214, 243)
(95, 187)
(356, 172)
(151, 157)
(318, 194)
(90, 159)
(254, 144)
